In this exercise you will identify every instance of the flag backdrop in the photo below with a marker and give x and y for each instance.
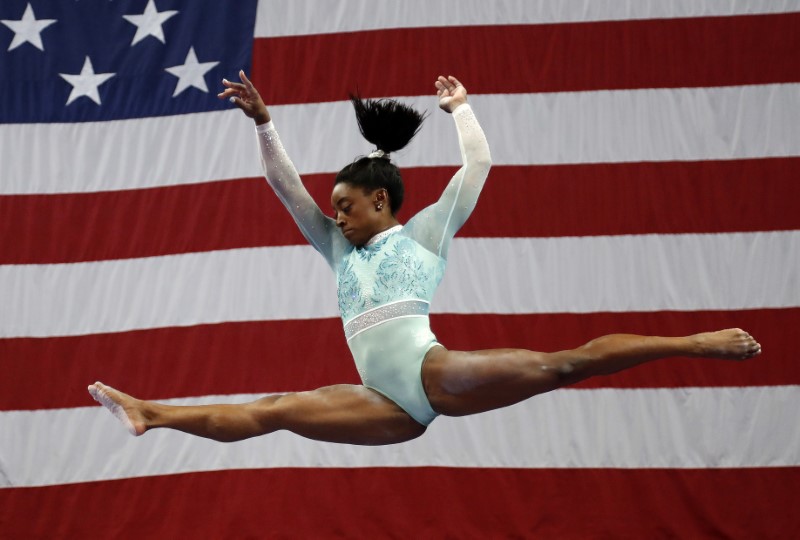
(647, 160)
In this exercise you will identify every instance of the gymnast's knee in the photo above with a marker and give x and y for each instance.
(561, 367)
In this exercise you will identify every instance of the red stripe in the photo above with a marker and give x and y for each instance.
(695, 52)
(535, 201)
(261, 357)
(415, 503)
(630, 198)
(140, 223)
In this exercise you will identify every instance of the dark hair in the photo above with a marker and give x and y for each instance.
(390, 126)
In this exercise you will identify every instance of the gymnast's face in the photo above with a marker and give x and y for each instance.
(359, 213)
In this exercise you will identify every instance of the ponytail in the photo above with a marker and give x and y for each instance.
(386, 123)
(390, 126)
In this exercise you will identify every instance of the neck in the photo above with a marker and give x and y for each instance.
(388, 224)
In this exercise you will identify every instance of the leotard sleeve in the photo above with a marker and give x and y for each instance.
(319, 229)
(435, 226)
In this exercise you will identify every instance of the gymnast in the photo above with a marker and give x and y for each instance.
(387, 274)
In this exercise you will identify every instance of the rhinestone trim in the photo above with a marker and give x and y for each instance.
(378, 315)
(381, 235)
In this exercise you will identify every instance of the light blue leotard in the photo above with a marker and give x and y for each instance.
(385, 287)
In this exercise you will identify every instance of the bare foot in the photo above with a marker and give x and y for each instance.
(124, 407)
(730, 344)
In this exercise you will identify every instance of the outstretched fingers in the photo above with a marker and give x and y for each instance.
(232, 89)
(241, 90)
(246, 81)
(245, 96)
(231, 93)
(444, 86)
(451, 92)
(448, 84)
(455, 82)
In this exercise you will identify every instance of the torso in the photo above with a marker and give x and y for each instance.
(390, 268)
(385, 289)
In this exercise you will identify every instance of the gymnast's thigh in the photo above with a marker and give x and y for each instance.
(343, 413)
(459, 383)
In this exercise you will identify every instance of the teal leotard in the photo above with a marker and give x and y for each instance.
(385, 287)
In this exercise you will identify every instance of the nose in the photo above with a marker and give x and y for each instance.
(339, 220)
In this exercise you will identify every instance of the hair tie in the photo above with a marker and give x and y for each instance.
(379, 154)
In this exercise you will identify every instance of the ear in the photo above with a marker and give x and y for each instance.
(380, 199)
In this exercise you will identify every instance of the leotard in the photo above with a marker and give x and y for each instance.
(385, 287)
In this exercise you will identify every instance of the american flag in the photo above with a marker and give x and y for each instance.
(647, 160)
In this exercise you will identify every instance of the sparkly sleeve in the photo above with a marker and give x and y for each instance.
(319, 229)
(435, 226)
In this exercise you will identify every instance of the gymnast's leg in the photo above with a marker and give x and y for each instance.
(342, 413)
(459, 383)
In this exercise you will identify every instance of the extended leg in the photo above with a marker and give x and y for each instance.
(342, 413)
(459, 383)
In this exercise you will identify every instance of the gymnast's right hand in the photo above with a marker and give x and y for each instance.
(245, 96)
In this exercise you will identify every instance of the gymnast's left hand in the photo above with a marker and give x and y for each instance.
(245, 96)
(451, 93)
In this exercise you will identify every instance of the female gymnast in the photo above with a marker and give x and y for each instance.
(387, 274)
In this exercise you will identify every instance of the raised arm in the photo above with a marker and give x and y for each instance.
(435, 226)
(319, 229)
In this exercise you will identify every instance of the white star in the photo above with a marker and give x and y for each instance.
(149, 23)
(86, 83)
(28, 29)
(191, 73)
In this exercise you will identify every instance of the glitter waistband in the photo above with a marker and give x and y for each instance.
(395, 310)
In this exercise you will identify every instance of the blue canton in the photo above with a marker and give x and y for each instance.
(96, 60)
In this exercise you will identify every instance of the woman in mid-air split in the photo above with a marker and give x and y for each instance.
(387, 273)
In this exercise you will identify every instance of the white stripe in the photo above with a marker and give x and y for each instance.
(501, 275)
(605, 428)
(684, 272)
(126, 154)
(301, 17)
(569, 127)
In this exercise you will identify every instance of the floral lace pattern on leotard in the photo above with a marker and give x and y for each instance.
(401, 274)
(396, 268)
(351, 297)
